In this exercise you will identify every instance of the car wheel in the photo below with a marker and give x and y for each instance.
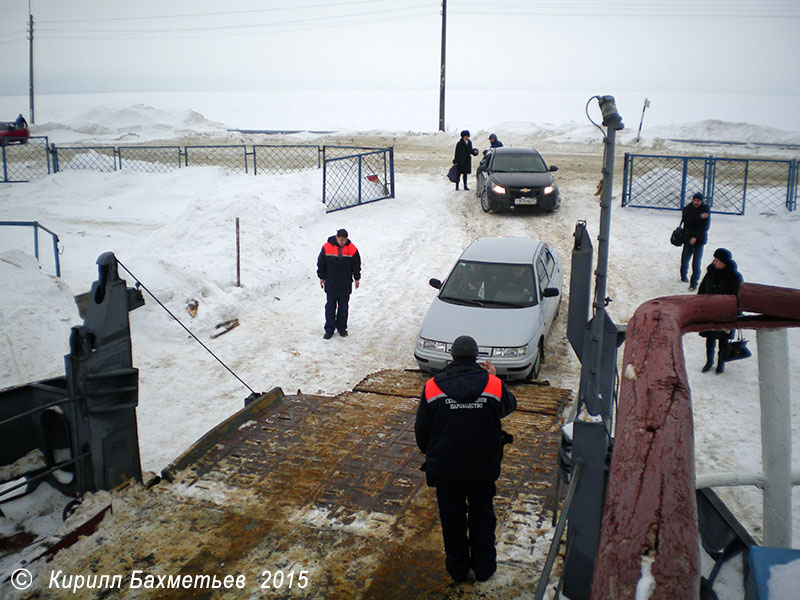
(486, 204)
(537, 363)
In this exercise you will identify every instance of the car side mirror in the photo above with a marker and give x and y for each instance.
(550, 292)
(435, 283)
(553, 168)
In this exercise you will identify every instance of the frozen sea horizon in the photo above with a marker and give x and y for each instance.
(418, 110)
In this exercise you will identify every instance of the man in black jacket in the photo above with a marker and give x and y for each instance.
(458, 428)
(338, 265)
(722, 277)
(695, 220)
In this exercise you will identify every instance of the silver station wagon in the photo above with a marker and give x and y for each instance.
(504, 292)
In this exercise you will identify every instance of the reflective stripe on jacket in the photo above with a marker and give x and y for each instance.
(493, 389)
(338, 266)
(458, 425)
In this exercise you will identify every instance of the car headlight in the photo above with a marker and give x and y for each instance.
(510, 352)
(498, 189)
(434, 345)
(549, 189)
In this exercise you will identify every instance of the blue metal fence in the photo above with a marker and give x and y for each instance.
(352, 175)
(36, 226)
(355, 179)
(730, 185)
(24, 161)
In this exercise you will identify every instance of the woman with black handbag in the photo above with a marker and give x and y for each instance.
(463, 157)
(722, 277)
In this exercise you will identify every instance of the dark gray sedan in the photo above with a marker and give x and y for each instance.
(509, 178)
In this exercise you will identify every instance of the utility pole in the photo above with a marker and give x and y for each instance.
(30, 60)
(441, 71)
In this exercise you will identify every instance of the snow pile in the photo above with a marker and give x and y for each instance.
(784, 581)
(127, 125)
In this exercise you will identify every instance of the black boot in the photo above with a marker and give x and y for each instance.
(723, 347)
(710, 342)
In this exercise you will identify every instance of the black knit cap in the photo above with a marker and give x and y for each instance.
(465, 133)
(698, 195)
(464, 348)
(723, 255)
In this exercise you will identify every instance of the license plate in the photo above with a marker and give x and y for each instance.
(525, 201)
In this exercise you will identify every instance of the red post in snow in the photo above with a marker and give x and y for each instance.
(238, 270)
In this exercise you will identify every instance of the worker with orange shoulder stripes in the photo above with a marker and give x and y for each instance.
(338, 265)
(458, 428)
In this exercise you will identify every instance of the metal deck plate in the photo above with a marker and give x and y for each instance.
(332, 487)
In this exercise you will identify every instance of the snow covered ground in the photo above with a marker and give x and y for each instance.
(175, 233)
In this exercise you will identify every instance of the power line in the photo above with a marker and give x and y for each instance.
(14, 41)
(231, 12)
(633, 9)
(228, 31)
(311, 22)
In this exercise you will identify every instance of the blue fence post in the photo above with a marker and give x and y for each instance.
(54, 152)
(47, 154)
(36, 240)
(683, 182)
(791, 192)
(709, 180)
(744, 191)
(324, 181)
(360, 157)
(55, 255)
(625, 163)
(5, 167)
(391, 168)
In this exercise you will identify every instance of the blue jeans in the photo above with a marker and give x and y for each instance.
(696, 254)
(336, 309)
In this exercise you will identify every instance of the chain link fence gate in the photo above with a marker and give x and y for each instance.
(730, 185)
(355, 179)
(24, 162)
(352, 175)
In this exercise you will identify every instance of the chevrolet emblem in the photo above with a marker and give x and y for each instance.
(525, 190)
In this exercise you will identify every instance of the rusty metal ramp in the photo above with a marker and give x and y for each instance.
(319, 497)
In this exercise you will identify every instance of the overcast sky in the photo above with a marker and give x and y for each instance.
(732, 46)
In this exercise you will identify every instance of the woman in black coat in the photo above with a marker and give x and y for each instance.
(463, 157)
(722, 277)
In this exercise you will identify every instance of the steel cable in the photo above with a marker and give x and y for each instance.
(207, 349)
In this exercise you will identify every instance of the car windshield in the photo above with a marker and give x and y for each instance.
(518, 163)
(490, 284)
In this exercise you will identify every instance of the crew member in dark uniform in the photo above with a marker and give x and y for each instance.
(458, 428)
(338, 265)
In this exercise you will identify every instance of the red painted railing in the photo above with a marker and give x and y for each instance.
(650, 508)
